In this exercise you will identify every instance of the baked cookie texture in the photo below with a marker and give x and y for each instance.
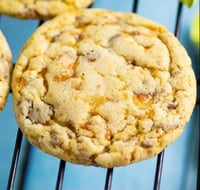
(5, 70)
(102, 88)
(40, 9)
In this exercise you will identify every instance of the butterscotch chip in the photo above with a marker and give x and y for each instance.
(5, 70)
(103, 88)
(40, 9)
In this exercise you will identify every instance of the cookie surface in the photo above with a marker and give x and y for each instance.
(5, 70)
(100, 88)
(39, 9)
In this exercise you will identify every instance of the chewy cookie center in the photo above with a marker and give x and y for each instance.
(112, 72)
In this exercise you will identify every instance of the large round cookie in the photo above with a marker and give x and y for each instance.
(5, 70)
(101, 88)
(39, 9)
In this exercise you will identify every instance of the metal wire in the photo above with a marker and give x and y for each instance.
(198, 98)
(15, 159)
(109, 174)
(160, 157)
(178, 20)
(108, 182)
(60, 176)
(40, 22)
(135, 6)
(158, 174)
(198, 171)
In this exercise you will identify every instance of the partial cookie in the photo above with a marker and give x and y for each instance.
(102, 88)
(5, 70)
(39, 9)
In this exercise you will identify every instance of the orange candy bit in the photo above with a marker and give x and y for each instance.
(143, 97)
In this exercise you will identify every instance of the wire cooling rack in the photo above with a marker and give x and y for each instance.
(109, 174)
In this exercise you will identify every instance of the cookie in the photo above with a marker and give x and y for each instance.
(103, 88)
(5, 70)
(39, 9)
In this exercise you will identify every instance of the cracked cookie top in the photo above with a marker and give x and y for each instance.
(39, 9)
(5, 70)
(102, 88)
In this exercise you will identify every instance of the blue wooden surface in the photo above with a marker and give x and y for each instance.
(180, 162)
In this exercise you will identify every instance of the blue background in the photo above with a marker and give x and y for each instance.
(180, 161)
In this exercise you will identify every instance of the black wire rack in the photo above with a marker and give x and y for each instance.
(110, 171)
